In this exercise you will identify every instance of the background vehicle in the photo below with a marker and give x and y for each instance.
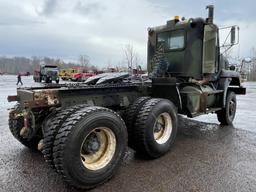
(24, 73)
(83, 129)
(66, 74)
(81, 76)
(46, 73)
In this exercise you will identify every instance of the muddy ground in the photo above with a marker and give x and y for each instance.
(205, 156)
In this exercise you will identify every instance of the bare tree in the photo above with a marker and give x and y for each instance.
(131, 57)
(93, 68)
(253, 65)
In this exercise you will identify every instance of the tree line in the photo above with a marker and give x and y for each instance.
(15, 65)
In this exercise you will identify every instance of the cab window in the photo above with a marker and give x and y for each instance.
(172, 40)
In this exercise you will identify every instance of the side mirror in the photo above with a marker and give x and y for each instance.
(233, 35)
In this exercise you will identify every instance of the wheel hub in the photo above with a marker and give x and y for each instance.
(231, 108)
(158, 127)
(98, 148)
(92, 144)
(163, 128)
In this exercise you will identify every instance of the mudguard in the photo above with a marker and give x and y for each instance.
(230, 80)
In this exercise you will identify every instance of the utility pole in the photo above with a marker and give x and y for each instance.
(84, 61)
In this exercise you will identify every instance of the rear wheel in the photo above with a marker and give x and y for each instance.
(155, 128)
(130, 118)
(227, 114)
(89, 147)
(51, 128)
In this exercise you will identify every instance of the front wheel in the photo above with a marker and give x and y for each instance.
(89, 147)
(227, 114)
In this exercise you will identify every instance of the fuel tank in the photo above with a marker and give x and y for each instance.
(196, 98)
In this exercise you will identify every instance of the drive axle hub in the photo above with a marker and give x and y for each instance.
(92, 144)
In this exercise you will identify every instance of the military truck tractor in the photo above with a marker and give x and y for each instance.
(83, 129)
(46, 73)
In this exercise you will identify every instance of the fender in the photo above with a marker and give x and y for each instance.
(230, 84)
(167, 88)
(223, 85)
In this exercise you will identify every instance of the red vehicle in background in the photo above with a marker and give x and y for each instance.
(82, 76)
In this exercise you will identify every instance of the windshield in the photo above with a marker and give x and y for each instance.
(172, 40)
(51, 69)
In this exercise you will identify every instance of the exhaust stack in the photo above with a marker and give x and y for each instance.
(210, 14)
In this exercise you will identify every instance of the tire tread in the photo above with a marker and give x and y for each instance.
(51, 129)
(131, 116)
(61, 142)
(140, 131)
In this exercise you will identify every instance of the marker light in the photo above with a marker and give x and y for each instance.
(176, 18)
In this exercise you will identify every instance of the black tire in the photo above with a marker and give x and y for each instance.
(227, 114)
(51, 128)
(47, 120)
(69, 141)
(57, 81)
(130, 118)
(47, 80)
(15, 125)
(145, 126)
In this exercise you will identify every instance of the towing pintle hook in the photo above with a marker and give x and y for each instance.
(24, 132)
(210, 13)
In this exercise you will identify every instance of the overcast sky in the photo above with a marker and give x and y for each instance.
(101, 28)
